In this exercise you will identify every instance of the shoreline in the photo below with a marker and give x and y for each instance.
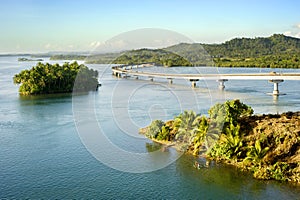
(269, 147)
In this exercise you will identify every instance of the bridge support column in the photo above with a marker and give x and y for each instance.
(119, 75)
(194, 82)
(221, 83)
(125, 75)
(170, 80)
(151, 78)
(275, 82)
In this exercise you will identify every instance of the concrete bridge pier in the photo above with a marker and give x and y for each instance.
(125, 75)
(151, 78)
(275, 82)
(194, 82)
(170, 80)
(221, 83)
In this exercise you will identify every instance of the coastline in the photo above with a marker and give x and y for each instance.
(272, 142)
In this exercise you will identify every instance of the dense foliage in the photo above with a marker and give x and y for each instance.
(276, 51)
(47, 78)
(157, 56)
(232, 135)
(194, 53)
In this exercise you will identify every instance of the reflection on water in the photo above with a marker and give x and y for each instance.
(151, 147)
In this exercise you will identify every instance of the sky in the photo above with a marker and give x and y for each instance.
(80, 25)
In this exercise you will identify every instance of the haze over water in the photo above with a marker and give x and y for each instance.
(42, 155)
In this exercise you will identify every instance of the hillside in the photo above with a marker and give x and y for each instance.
(157, 56)
(274, 51)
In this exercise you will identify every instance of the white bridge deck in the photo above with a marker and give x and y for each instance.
(246, 76)
(126, 71)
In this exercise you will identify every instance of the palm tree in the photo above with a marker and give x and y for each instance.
(186, 123)
(256, 153)
(232, 139)
(200, 135)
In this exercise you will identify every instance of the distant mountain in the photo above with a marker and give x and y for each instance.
(275, 51)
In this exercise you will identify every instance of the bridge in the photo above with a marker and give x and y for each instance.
(273, 77)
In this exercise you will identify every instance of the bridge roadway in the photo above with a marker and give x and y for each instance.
(126, 71)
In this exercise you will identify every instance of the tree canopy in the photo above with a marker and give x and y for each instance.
(277, 51)
(47, 78)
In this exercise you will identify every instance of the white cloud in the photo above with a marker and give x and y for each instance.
(95, 44)
(297, 35)
(47, 46)
(294, 32)
(288, 33)
(52, 47)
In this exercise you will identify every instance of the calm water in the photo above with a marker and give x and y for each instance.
(46, 151)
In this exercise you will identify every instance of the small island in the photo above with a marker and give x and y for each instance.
(50, 79)
(266, 145)
(29, 59)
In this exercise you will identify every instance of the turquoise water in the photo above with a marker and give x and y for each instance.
(44, 154)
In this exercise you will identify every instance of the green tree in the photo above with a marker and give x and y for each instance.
(164, 134)
(200, 135)
(256, 153)
(154, 129)
(187, 123)
(222, 115)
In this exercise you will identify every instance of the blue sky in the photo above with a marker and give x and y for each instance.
(42, 26)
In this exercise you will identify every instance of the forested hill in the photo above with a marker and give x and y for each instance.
(275, 51)
(157, 56)
(247, 47)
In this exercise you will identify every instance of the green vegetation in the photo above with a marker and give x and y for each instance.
(277, 51)
(106, 58)
(194, 53)
(267, 145)
(154, 129)
(48, 79)
(157, 56)
(68, 57)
